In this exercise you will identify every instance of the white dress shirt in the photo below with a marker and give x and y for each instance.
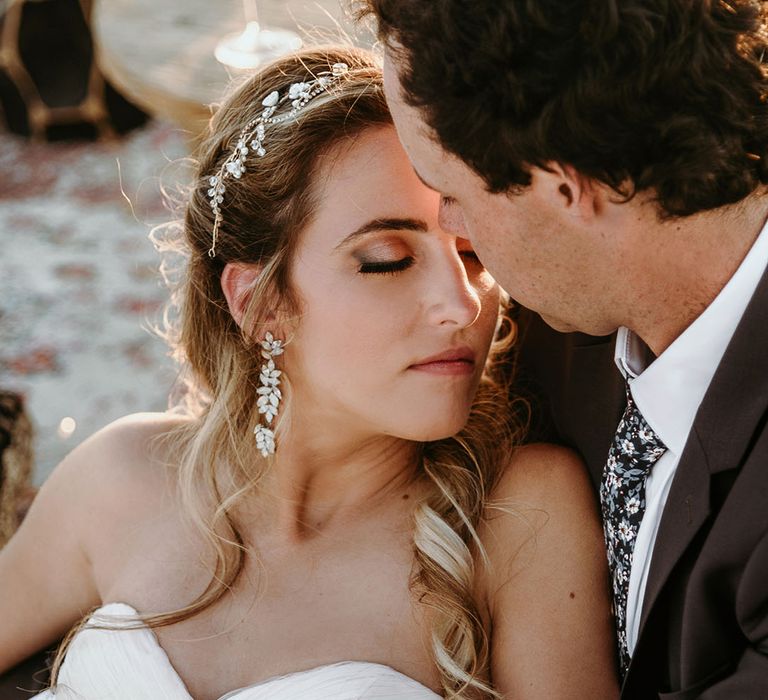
(668, 393)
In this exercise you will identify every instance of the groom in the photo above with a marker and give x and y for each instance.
(609, 160)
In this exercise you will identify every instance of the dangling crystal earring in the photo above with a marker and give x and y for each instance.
(269, 394)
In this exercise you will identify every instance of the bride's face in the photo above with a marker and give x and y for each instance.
(397, 315)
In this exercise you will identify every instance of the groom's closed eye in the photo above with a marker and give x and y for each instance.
(465, 249)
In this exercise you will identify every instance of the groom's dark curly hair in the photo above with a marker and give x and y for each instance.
(669, 96)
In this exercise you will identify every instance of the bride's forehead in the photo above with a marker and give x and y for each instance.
(372, 153)
(368, 178)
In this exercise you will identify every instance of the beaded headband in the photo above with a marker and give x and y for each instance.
(252, 136)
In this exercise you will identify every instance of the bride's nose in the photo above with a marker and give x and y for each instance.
(451, 297)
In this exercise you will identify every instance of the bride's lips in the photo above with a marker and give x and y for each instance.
(452, 362)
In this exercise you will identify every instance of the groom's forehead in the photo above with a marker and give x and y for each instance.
(411, 126)
(392, 69)
(436, 167)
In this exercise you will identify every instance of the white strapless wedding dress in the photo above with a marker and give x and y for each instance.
(131, 665)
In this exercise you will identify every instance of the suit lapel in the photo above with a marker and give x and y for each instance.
(685, 512)
(720, 438)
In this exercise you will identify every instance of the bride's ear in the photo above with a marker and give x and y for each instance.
(237, 281)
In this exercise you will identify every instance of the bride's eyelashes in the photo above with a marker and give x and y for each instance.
(393, 257)
(385, 267)
(395, 266)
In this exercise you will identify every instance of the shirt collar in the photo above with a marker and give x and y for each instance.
(669, 389)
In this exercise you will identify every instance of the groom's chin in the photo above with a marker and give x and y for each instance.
(598, 330)
(558, 324)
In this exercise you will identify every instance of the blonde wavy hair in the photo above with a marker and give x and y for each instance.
(264, 213)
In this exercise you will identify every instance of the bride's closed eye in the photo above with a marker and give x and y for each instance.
(385, 267)
(387, 257)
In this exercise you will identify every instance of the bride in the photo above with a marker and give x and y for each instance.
(333, 509)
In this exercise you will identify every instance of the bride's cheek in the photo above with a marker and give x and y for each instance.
(490, 294)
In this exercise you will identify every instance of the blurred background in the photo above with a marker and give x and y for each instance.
(100, 103)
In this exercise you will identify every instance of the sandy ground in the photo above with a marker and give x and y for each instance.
(79, 281)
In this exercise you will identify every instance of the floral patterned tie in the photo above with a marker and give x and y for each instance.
(635, 450)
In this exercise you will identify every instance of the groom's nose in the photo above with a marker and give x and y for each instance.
(450, 218)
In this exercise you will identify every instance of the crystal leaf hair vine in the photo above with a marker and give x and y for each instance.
(251, 138)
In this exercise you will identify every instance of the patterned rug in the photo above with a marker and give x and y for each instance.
(79, 282)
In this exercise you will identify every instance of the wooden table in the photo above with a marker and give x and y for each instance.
(159, 53)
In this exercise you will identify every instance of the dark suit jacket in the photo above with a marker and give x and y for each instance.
(704, 624)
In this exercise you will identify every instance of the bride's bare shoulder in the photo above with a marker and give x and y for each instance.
(543, 499)
(546, 582)
(114, 491)
(127, 460)
(139, 439)
(135, 442)
(542, 474)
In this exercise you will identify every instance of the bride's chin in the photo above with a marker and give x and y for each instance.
(438, 430)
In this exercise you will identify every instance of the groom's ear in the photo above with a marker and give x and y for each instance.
(574, 193)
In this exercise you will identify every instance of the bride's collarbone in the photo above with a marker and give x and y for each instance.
(289, 610)
(341, 594)
(251, 637)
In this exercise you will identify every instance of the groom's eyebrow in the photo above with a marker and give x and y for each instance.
(385, 224)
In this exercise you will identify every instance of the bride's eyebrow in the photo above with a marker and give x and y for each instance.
(385, 225)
